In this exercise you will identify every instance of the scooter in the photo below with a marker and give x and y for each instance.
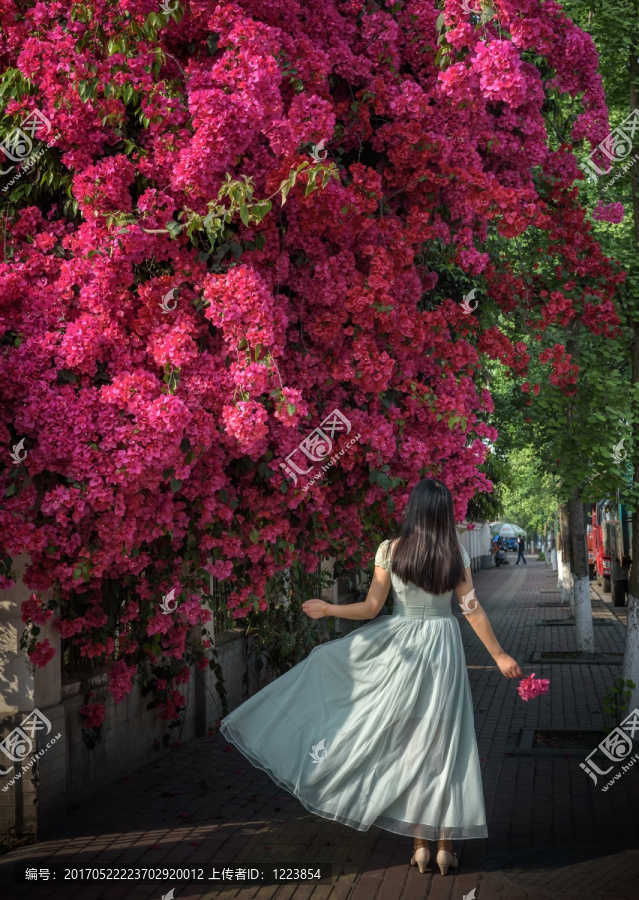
(500, 558)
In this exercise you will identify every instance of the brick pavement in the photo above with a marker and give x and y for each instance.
(552, 834)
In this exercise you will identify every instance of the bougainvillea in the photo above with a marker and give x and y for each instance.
(609, 212)
(531, 687)
(172, 329)
(93, 714)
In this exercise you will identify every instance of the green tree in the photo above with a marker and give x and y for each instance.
(530, 499)
(614, 27)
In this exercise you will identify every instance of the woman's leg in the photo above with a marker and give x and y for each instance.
(441, 845)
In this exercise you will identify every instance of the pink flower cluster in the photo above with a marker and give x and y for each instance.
(608, 212)
(531, 687)
(33, 611)
(93, 714)
(42, 653)
(120, 680)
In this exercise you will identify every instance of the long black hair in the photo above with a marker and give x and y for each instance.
(427, 551)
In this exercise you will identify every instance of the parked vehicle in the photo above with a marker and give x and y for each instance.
(590, 540)
(616, 520)
(609, 538)
(500, 558)
(509, 543)
(601, 557)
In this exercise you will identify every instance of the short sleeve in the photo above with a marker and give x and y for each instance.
(382, 558)
(465, 555)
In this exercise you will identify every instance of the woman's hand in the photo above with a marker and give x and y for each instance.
(508, 666)
(314, 608)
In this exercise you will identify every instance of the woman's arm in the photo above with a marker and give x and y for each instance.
(479, 622)
(368, 609)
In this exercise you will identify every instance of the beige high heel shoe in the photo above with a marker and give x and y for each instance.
(420, 858)
(446, 861)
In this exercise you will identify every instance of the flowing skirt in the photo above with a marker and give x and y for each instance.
(374, 728)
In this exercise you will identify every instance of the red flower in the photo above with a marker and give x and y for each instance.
(93, 714)
(121, 680)
(531, 687)
(42, 653)
(33, 611)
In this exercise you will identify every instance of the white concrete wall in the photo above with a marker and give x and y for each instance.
(69, 771)
(24, 688)
(477, 544)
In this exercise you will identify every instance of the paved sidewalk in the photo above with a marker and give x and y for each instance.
(552, 833)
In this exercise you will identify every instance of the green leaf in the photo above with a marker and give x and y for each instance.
(244, 213)
(168, 472)
(174, 228)
(261, 209)
(254, 536)
(65, 377)
(185, 445)
(310, 186)
(265, 471)
(286, 186)
(176, 484)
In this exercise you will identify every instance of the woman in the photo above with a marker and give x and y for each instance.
(376, 727)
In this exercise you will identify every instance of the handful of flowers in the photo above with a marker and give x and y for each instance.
(531, 687)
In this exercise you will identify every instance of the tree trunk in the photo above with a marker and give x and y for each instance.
(631, 656)
(578, 551)
(566, 574)
(545, 544)
(560, 562)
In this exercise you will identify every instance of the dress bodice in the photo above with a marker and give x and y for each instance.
(411, 601)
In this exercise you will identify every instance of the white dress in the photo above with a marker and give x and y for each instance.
(376, 727)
